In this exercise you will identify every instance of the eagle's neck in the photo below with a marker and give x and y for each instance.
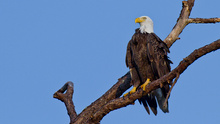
(146, 27)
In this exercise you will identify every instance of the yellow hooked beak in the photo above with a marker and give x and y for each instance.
(139, 20)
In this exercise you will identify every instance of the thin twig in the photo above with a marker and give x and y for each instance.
(168, 94)
(203, 20)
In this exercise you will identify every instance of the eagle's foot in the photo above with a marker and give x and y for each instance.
(145, 84)
(130, 92)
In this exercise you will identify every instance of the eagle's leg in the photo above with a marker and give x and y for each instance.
(145, 84)
(134, 81)
(132, 91)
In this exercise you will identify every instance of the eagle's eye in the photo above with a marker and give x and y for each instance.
(144, 18)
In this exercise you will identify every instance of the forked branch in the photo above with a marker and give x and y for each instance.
(182, 21)
(67, 99)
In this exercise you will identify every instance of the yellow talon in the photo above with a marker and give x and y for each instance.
(145, 84)
(132, 91)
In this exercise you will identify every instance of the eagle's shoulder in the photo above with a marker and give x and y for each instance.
(137, 30)
(162, 44)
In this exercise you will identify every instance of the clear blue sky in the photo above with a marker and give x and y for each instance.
(45, 43)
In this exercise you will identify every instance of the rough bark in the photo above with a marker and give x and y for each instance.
(203, 20)
(67, 99)
(181, 22)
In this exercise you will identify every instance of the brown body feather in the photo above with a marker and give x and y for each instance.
(147, 58)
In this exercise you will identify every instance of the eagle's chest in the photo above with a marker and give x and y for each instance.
(139, 50)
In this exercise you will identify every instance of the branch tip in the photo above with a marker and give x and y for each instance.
(67, 99)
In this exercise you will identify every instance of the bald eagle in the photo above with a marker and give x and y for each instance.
(147, 60)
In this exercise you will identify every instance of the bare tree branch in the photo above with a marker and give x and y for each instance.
(88, 112)
(122, 102)
(111, 94)
(182, 21)
(203, 20)
(168, 94)
(67, 99)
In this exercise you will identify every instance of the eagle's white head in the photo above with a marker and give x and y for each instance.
(146, 24)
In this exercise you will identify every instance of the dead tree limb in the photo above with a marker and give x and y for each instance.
(67, 99)
(88, 113)
(168, 94)
(182, 21)
(122, 102)
(203, 20)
